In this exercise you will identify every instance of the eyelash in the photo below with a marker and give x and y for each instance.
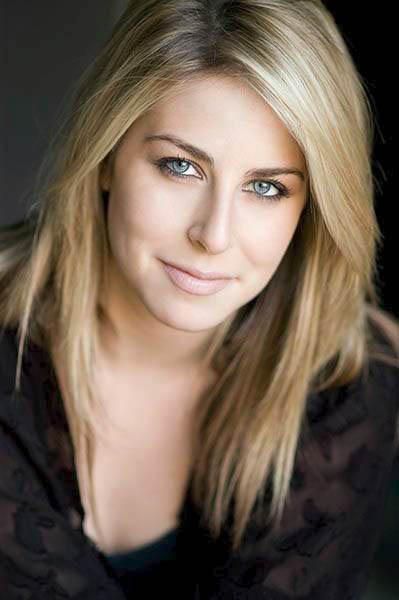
(162, 166)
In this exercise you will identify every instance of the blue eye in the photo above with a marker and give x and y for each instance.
(180, 173)
(163, 166)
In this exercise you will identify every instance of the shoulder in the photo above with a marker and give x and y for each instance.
(383, 335)
(382, 375)
(356, 425)
(377, 384)
(39, 540)
(23, 410)
(341, 478)
(8, 356)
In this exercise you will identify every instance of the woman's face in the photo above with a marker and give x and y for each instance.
(210, 218)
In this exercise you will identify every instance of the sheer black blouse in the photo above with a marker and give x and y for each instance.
(323, 550)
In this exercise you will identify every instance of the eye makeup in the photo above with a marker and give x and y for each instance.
(163, 165)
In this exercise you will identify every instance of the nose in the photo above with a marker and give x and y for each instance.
(213, 229)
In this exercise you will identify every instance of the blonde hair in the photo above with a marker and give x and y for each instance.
(310, 328)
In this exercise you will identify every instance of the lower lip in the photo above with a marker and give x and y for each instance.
(193, 285)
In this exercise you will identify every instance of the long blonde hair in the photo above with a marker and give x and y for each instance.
(309, 329)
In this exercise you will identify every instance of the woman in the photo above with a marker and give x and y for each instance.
(248, 425)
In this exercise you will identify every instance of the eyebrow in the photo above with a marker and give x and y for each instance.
(200, 154)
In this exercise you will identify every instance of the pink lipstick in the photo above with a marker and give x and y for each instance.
(194, 285)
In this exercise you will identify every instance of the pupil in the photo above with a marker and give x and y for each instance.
(262, 184)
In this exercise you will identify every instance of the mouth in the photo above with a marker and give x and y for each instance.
(210, 275)
(194, 285)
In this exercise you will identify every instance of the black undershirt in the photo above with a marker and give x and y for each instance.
(149, 568)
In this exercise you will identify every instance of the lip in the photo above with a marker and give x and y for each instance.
(198, 274)
(194, 285)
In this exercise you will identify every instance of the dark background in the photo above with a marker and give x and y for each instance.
(44, 47)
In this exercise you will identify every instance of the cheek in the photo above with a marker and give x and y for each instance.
(270, 239)
(142, 211)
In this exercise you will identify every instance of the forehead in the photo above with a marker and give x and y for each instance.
(224, 115)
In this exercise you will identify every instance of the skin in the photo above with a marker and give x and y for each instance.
(148, 372)
(212, 220)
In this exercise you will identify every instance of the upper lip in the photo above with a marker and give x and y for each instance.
(197, 273)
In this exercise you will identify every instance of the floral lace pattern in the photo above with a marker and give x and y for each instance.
(323, 550)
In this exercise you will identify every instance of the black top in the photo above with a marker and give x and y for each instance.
(323, 550)
(147, 565)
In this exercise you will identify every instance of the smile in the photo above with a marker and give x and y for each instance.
(193, 285)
